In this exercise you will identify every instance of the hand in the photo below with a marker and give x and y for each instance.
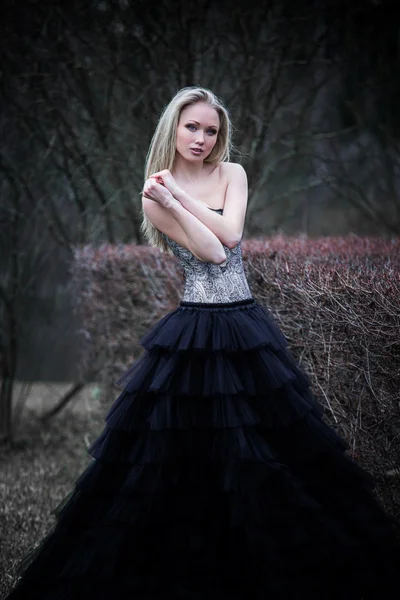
(166, 179)
(157, 192)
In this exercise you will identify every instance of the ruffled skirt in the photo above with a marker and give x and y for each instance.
(216, 478)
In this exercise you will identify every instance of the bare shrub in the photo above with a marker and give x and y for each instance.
(337, 300)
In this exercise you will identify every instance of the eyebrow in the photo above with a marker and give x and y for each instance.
(193, 121)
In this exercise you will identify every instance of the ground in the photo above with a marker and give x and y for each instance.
(41, 468)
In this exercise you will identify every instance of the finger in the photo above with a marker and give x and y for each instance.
(158, 179)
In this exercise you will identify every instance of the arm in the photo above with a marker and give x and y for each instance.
(227, 227)
(184, 228)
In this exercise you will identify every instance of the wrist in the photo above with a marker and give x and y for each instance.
(176, 191)
(171, 202)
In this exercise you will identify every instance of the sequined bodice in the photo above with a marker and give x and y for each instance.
(206, 282)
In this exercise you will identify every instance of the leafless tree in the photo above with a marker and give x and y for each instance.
(79, 114)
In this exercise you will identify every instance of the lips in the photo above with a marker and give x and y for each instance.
(196, 150)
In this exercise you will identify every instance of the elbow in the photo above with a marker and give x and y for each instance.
(233, 242)
(220, 259)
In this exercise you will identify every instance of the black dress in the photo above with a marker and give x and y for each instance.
(215, 476)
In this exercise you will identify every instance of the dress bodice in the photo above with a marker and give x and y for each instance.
(206, 282)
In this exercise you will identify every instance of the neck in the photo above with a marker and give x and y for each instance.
(188, 171)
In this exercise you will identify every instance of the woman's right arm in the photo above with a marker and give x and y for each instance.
(179, 224)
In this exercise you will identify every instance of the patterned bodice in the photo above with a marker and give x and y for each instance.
(206, 282)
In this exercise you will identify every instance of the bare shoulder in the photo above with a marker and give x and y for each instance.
(233, 171)
(162, 220)
(231, 167)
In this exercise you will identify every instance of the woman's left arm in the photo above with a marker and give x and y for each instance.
(227, 227)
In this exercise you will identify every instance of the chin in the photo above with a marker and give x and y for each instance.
(193, 159)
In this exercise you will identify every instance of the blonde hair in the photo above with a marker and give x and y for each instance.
(162, 149)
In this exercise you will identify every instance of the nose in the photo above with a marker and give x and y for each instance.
(200, 138)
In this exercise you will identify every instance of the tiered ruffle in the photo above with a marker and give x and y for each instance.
(215, 477)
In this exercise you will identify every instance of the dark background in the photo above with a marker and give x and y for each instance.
(312, 88)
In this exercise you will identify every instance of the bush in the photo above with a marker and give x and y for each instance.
(337, 300)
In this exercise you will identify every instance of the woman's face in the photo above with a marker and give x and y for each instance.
(197, 131)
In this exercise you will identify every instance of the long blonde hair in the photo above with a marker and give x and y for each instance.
(162, 149)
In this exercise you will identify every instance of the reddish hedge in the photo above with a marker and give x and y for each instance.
(337, 301)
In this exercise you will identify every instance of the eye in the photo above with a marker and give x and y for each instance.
(191, 125)
(212, 131)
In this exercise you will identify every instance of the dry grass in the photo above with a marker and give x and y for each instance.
(41, 468)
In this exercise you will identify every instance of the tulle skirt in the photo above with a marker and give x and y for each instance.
(215, 477)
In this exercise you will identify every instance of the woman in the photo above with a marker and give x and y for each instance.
(215, 476)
